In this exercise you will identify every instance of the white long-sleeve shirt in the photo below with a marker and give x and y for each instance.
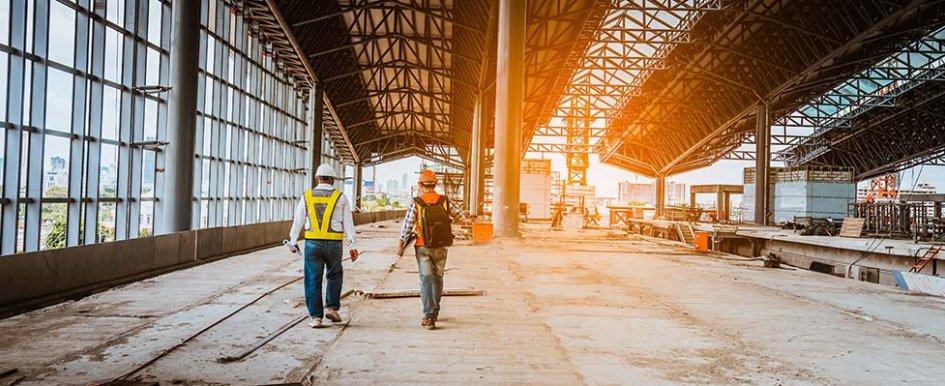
(340, 218)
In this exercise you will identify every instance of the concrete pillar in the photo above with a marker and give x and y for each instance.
(510, 84)
(316, 105)
(721, 205)
(660, 195)
(358, 181)
(762, 163)
(182, 117)
(475, 158)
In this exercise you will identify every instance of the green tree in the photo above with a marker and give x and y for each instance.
(146, 232)
(54, 212)
(56, 191)
(105, 233)
(56, 238)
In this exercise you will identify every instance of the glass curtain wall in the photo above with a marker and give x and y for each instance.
(251, 125)
(84, 118)
(76, 119)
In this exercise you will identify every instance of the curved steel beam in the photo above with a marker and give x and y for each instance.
(287, 29)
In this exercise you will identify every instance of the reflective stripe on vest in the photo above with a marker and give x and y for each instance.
(320, 206)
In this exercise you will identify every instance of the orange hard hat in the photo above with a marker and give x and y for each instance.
(427, 177)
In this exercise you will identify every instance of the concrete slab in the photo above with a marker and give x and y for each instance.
(907, 248)
(567, 307)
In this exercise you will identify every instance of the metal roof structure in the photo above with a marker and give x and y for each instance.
(657, 87)
(700, 106)
(881, 120)
(401, 77)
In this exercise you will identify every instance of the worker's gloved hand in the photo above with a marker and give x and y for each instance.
(354, 255)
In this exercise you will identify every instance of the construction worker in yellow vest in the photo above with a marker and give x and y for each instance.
(325, 215)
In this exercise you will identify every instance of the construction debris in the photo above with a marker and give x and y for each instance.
(8, 372)
(905, 220)
(414, 293)
(295, 302)
(921, 284)
(772, 261)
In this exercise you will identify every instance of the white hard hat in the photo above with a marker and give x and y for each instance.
(325, 170)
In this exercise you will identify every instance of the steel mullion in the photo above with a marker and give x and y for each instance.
(126, 135)
(218, 105)
(12, 156)
(93, 143)
(157, 214)
(251, 187)
(217, 166)
(234, 216)
(34, 177)
(77, 145)
(133, 223)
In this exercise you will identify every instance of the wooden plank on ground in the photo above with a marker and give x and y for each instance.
(389, 294)
(852, 227)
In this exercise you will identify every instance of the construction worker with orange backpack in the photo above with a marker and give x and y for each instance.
(429, 220)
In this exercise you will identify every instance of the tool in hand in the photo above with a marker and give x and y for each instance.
(410, 239)
(292, 247)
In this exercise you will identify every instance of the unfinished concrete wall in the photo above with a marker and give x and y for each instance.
(536, 187)
(536, 192)
(812, 192)
(801, 255)
(748, 197)
(35, 279)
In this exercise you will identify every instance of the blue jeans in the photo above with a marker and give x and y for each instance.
(319, 255)
(431, 263)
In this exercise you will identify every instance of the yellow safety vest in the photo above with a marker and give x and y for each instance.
(320, 228)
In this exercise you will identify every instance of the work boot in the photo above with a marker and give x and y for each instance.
(332, 315)
(428, 323)
(315, 323)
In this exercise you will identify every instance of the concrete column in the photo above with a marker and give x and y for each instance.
(358, 181)
(182, 117)
(475, 158)
(510, 84)
(762, 163)
(660, 195)
(316, 105)
(721, 205)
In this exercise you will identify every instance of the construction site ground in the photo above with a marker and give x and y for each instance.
(562, 307)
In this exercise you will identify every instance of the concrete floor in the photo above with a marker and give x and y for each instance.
(562, 308)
